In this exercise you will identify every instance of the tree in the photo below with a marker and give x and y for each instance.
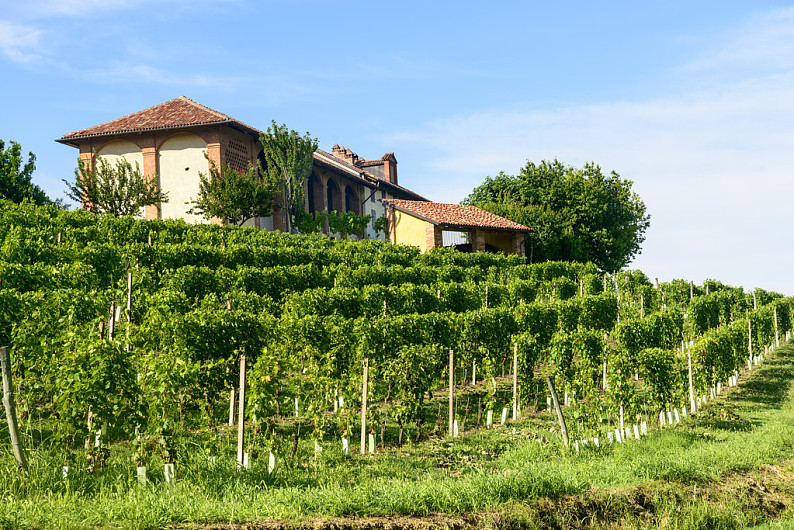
(16, 179)
(289, 158)
(236, 196)
(576, 214)
(116, 189)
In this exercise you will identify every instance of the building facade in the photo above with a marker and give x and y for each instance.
(176, 141)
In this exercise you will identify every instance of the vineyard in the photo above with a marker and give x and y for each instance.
(133, 333)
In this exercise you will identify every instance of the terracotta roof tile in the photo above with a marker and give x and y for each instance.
(179, 112)
(456, 215)
(365, 175)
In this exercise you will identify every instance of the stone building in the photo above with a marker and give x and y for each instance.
(176, 140)
(423, 224)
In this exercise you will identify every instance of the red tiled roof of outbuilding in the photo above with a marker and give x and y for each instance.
(178, 112)
(455, 215)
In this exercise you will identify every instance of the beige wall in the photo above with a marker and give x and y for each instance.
(373, 203)
(180, 159)
(111, 152)
(501, 240)
(114, 151)
(409, 230)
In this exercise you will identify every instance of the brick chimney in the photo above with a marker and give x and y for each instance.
(390, 167)
(345, 154)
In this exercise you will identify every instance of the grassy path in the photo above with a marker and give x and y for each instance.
(730, 466)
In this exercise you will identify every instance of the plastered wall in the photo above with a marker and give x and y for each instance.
(180, 159)
(409, 230)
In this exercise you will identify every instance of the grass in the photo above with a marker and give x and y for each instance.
(729, 466)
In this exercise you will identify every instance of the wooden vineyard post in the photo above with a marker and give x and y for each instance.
(11, 413)
(112, 323)
(606, 381)
(515, 381)
(606, 384)
(777, 338)
(691, 290)
(241, 416)
(691, 388)
(231, 407)
(557, 407)
(129, 309)
(451, 429)
(474, 372)
(750, 342)
(642, 305)
(364, 407)
(755, 301)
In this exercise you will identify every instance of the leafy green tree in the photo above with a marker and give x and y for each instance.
(16, 179)
(576, 214)
(236, 196)
(116, 189)
(289, 158)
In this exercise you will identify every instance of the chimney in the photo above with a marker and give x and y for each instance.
(345, 154)
(390, 167)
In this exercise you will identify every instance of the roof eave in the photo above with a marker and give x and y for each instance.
(364, 176)
(412, 214)
(74, 141)
(486, 228)
(453, 226)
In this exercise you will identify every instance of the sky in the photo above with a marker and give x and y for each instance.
(691, 101)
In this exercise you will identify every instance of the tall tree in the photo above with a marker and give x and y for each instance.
(119, 189)
(16, 178)
(577, 214)
(289, 158)
(236, 196)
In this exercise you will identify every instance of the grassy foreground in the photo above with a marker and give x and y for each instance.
(732, 465)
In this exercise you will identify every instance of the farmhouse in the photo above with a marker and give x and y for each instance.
(423, 223)
(177, 140)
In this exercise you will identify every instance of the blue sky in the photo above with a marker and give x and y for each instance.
(692, 101)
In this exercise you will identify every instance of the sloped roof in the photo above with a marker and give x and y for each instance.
(455, 215)
(184, 112)
(178, 112)
(367, 177)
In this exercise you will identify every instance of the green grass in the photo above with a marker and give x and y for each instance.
(712, 471)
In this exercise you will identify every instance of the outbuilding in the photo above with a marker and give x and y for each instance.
(423, 223)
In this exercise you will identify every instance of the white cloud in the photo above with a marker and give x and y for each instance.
(714, 166)
(764, 42)
(18, 42)
(77, 7)
(123, 72)
(89, 8)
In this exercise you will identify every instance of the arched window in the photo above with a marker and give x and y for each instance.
(334, 196)
(351, 200)
(314, 199)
